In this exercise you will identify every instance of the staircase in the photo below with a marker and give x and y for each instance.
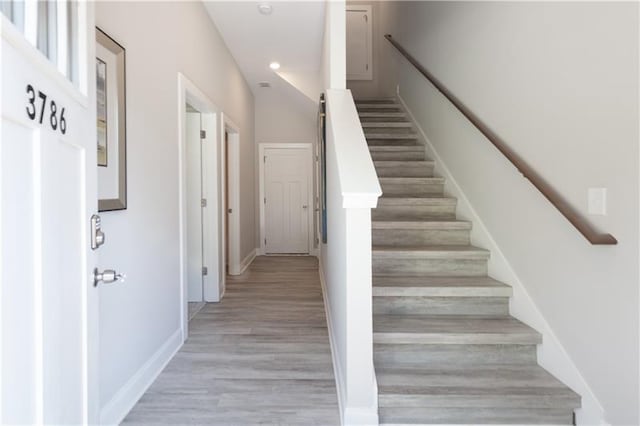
(446, 350)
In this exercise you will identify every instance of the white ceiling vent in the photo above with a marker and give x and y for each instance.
(264, 84)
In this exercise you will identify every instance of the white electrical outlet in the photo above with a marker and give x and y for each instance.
(597, 201)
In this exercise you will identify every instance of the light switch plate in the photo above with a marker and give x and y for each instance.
(597, 201)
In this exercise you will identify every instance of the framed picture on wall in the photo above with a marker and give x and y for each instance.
(111, 123)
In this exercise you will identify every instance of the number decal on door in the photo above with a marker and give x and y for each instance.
(55, 121)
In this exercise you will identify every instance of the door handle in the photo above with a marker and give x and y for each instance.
(304, 206)
(107, 276)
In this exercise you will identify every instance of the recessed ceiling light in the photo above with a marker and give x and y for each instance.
(274, 66)
(265, 8)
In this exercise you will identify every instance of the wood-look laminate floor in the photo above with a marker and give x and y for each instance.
(261, 356)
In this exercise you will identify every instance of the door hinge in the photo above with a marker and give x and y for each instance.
(317, 241)
(573, 418)
(265, 200)
(205, 270)
(203, 202)
(367, 67)
(265, 241)
(366, 18)
(230, 211)
(203, 134)
(264, 159)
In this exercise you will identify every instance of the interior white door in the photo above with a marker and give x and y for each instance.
(359, 43)
(194, 208)
(286, 179)
(48, 194)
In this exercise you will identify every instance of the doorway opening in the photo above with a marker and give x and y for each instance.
(200, 220)
(196, 203)
(231, 199)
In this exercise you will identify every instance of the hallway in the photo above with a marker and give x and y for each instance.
(261, 356)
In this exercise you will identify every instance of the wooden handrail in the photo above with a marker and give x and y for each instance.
(569, 212)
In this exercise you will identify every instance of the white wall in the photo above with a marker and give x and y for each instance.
(285, 115)
(559, 83)
(139, 318)
(334, 46)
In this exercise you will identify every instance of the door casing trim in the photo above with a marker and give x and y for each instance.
(309, 148)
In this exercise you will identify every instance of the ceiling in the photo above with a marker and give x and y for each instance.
(291, 35)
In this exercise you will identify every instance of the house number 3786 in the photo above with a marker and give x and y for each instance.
(45, 110)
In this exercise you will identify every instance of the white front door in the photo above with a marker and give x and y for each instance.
(48, 303)
(286, 193)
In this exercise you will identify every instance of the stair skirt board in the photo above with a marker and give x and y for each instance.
(446, 350)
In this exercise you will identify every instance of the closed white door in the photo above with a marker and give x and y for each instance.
(359, 43)
(48, 194)
(286, 180)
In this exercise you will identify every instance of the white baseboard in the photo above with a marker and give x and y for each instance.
(337, 368)
(114, 411)
(551, 354)
(244, 264)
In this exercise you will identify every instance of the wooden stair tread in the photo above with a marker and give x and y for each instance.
(409, 179)
(413, 416)
(413, 148)
(454, 329)
(408, 163)
(376, 105)
(420, 224)
(433, 251)
(385, 124)
(470, 380)
(394, 200)
(379, 135)
(381, 114)
(439, 286)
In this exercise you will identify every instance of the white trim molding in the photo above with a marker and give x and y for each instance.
(232, 219)
(310, 195)
(188, 92)
(114, 411)
(247, 261)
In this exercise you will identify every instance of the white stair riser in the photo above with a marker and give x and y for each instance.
(419, 237)
(493, 306)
